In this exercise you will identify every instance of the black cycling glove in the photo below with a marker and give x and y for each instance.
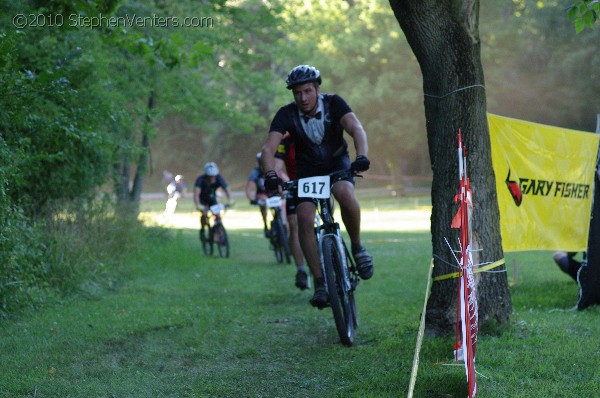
(272, 182)
(360, 164)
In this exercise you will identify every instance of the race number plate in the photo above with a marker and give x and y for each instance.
(274, 201)
(215, 209)
(314, 187)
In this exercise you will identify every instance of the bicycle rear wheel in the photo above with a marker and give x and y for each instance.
(339, 298)
(221, 240)
(206, 240)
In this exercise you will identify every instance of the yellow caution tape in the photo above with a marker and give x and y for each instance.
(475, 271)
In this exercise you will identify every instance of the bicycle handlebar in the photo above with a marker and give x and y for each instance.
(334, 177)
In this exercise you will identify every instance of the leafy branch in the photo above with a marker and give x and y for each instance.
(584, 13)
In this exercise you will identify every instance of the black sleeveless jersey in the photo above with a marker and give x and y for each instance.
(312, 158)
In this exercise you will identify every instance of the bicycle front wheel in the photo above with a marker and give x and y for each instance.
(206, 240)
(339, 298)
(285, 243)
(221, 240)
(277, 240)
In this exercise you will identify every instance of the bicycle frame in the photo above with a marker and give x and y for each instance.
(214, 215)
(274, 204)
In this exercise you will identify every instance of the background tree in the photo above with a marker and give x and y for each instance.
(444, 36)
(537, 69)
(54, 114)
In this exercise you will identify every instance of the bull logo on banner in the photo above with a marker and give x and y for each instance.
(545, 198)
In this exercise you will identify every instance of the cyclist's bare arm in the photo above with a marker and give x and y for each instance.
(229, 196)
(352, 125)
(197, 192)
(269, 150)
(279, 169)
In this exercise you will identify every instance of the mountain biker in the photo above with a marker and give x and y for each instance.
(167, 177)
(255, 191)
(286, 157)
(316, 123)
(205, 190)
(177, 187)
(175, 191)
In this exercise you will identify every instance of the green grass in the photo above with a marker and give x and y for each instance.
(180, 324)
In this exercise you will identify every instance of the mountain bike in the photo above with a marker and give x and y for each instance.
(214, 233)
(278, 234)
(339, 269)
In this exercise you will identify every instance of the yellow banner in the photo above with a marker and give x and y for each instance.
(545, 183)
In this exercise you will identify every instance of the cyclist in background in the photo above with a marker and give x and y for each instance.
(255, 191)
(176, 188)
(167, 177)
(175, 191)
(286, 157)
(205, 190)
(316, 123)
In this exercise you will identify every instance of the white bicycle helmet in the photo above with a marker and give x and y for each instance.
(211, 169)
(302, 74)
(178, 177)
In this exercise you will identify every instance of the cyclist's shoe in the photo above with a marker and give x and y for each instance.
(301, 280)
(364, 263)
(320, 299)
(267, 233)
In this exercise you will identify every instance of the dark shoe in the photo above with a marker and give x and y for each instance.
(267, 233)
(364, 263)
(320, 299)
(301, 280)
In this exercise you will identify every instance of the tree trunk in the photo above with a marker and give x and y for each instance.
(142, 164)
(128, 199)
(444, 37)
(121, 179)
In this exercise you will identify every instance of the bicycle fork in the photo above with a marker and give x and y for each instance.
(321, 234)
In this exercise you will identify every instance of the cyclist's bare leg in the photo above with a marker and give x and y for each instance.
(292, 220)
(263, 210)
(306, 236)
(349, 208)
(203, 218)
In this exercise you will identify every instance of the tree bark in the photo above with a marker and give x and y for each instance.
(128, 199)
(444, 36)
(142, 164)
